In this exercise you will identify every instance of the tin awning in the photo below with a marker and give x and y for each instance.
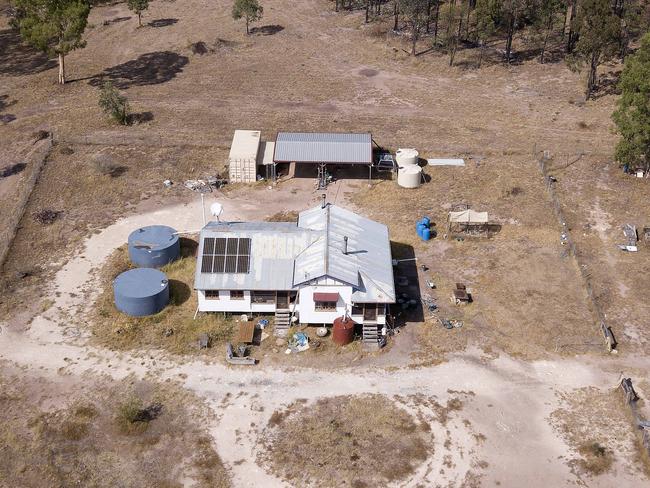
(326, 297)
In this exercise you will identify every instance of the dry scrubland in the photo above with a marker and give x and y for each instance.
(62, 432)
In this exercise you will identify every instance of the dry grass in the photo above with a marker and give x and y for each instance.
(528, 299)
(596, 427)
(353, 440)
(174, 329)
(80, 441)
(284, 216)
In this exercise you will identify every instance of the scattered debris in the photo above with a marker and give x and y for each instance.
(12, 169)
(206, 185)
(168, 183)
(451, 323)
(240, 358)
(299, 342)
(47, 216)
(460, 295)
(321, 331)
(169, 332)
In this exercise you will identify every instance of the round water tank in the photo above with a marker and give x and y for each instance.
(409, 176)
(141, 291)
(154, 246)
(407, 157)
(343, 331)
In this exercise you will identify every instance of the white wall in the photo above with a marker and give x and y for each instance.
(224, 303)
(306, 305)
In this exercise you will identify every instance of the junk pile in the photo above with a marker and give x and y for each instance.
(629, 231)
(451, 323)
(423, 228)
(299, 342)
(206, 185)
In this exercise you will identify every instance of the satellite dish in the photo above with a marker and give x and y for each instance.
(216, 209)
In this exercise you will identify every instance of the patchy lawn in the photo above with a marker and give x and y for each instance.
(358, 441)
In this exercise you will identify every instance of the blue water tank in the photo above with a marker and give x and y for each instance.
(420, 228)
(426, 221)
(141, 291)
(154, 246)
(426, 234)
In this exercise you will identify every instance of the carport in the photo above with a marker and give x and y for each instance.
(323, 148)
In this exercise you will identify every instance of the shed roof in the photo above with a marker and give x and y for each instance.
(322, 147)
(245, 144)
(468, 217)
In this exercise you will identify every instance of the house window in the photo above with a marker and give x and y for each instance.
(212, 294)
(263, 297)
(236, 295)
(325, 306)
(357, 309)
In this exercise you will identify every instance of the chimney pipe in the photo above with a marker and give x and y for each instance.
(345, 245)
(323, 203)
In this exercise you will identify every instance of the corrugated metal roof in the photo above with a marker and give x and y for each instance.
(321, 147)
(245, 144)
(285, 255)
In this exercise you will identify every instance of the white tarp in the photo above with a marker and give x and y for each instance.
(446, 162)
(468, 217)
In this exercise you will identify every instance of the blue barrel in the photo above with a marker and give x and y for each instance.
(426, 234)
(426, 221)
(420, 229)
(154, 246)
(141, 291)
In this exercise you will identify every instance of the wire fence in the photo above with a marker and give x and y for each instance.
(542, 159)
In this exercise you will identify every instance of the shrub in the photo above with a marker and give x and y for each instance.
(114, 104)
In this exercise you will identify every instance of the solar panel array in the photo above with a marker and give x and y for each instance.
(226, 255)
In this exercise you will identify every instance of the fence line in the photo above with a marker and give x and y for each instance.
(566, 239)
(641, 425)
(37, 157)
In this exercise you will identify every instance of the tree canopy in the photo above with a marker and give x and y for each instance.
(55, 27)
(632, 116)
(250, 10)
(137, 7)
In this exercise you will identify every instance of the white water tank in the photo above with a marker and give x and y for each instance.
(407, 157)
(409, 176)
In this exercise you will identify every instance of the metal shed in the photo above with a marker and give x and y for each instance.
(323, 148)
(242, 160)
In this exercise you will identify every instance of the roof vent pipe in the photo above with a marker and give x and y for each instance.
(323, 203)
(345, 245)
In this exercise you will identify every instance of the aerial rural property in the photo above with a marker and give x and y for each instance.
(324, 243)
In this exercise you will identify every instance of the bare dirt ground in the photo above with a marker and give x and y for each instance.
(528, 346)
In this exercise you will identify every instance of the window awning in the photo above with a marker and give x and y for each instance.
(326, 297)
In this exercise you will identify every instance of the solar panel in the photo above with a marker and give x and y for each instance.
(226, 255)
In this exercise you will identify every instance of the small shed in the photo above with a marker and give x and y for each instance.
(323, 148)
(468, 221)
(242, 160)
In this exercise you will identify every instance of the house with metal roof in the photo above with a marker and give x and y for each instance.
(330, 263)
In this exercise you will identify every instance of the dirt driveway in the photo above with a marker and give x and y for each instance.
(501, 435)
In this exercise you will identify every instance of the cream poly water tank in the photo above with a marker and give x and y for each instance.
(409, 176)
(407, 157)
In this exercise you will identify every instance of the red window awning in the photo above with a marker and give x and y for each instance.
(326, 297)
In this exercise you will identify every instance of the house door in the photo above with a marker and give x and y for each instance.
(370, 312)
(282, 300)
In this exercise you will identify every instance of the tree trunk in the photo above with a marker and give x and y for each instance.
(367, 10)
(414, 37)
(592, 78)
(396, 14)
(480, 55)
(139, 19)
(571, 42)
(435, 21)
(336, 5)
(428, 27)
(511, 33)
(61, 69)
(247, 22)
(549, 28)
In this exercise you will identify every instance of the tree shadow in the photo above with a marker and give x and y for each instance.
(12, 169)
(148, 69)
(179, 292)
(139, 118)
(116, 20)
(17, 58)
(267, 30)
(4, 103)
(607, 85)
(162, 22)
